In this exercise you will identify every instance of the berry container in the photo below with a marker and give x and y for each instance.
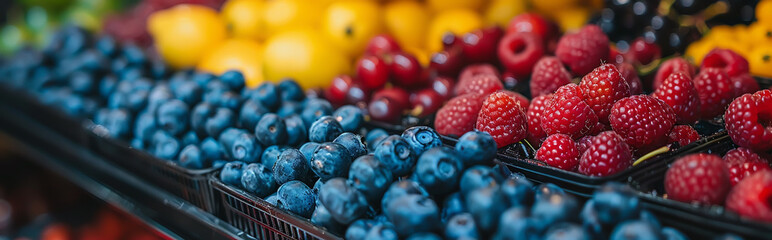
(63, 124)
(260, 219)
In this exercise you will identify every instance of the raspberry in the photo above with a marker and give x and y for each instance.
(549, 74)
(566, 113)
(522, 100)
(584, 143)
(601, 88)
(519, 51)
(751, 197)
(559, 151)
(748, 121)
(701, 178)
(584, 50)
(643, 121)
(598, 128)
(481, 84)
(728, 60)
(679, 93)
(738, 172)
(459, 115)
(502, 117)
(535, 133)
(744, 83)
(742, 155)
(715, 91)
(477, 69)
(671, 66)
(608, 154)
(683, 135)
(631, 76)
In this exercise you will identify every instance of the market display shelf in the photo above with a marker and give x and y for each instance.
(168, 214)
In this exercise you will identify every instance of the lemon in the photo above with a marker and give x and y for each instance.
(759, 34)
(349, 25)
(281, 15)
(457, 21)
(443, 5)
(184, 33)
(499, 12)
(764, 12)
(572, 18)
(240, 54)
(550, 6)
(407, 22)
(303, 54)
(697, 50)
(760, 61)
(245, 18)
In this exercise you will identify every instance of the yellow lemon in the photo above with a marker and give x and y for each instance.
(245, 18)
(303, 54)
(350, 25)
(697, 50)
(407, 22)
(759, 34)
(760, 61)
(550, 6)
(499, 12)
(572, 18)
(457, 21)
(764, 12)
(281, 15)
(442, 5)
(184, 33)
(240, 54)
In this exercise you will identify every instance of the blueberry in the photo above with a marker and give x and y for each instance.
(308, 150)
(401, 188)
(439, 170)
(296, 197)
(423, 236)
(239, 145)
(396, 153)
(615, 203)
(413, 213)
(267, 94)
(514, 224)
(198, 117)
(82, 82)
(258, 179)
(461, 226)
(218, 163)
(288, 108)
(518, 191)
(638, 230)
(296, 131)
(478, 177)
(165, 146)
(291, 165)
(133, 54)
(230, 100)
(314, 109)
(317, 185)
(546, 190)
(452, 205)
(234, 79)
(145, 126)
(289, 90)
(271, 130)
(342, 199)
(476, 148)
(191, 157)
(485, 204)
(117, 121)
(349, 117)
(421, 138)
(189, 92)
(353, 144)
(107, 85)
(137, 99)
(190, 138)
(172, 117)
(250, 114)
(325, 129)
(137, 144)
(106, 45)
(359, 229)
(555, 209)
(221, 119)
(231, 173)
(374, 137)
(158, 69)
(322, 217)
(649, 217)
(567, 231)
(211, 149)
(272, 199)
(214, 92)
(382, 231)
(673, 234)
(330, 160)
(370, 177)
(204, 78)
(157, 96)
(271, 155)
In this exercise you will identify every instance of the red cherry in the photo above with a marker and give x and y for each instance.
(447, 62)
(385, 109)
(451, 41)
(643, 51)
(336, 92)
(357, 94)
(477, 69)
(405, 70)
(426, 102)
(372, 71)
(532, 23)
(614, 56)
(443, 86)
(382, 44)
(518, 52)
(480, 45)
(397, 95)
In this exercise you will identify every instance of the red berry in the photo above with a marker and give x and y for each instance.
(382, 44)
(406, 71)
(503, 118)
(481, 84)
(477, 69)
(751, 197)
(560, 151)
(732, 63)
(532, 23)
(698, 178)
(459, 115)
(385, 109)
(601, 88)
(614, 56)
(534, 114)
(584, 143)
(677, 64)
(518, 52)
(451, 41)
(748, 121)
(480, 45)
(598, 128)
(447, 62)
(372, 72)
(357, 94)
(642, 121)
(426, 102)
(715, 91)
(683, 135)
(566, 113)
(742, 155)
(608, 154)
(679, 93)
(549, 74)
(744, 83)
(339, 87)
(584, 50)
(397, 95)
(522, 100)
(443, 86)
(644, 52)
(631, 76)
(738, 172)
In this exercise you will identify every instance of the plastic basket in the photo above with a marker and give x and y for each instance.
(262, 220)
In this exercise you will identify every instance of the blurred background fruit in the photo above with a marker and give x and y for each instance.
(456, 21)
(245, 18)
(350, 24)
(407, 21)
(185, 33)
(305, 55)
(241, 54)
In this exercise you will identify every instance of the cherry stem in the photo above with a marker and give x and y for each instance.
(651, 154)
